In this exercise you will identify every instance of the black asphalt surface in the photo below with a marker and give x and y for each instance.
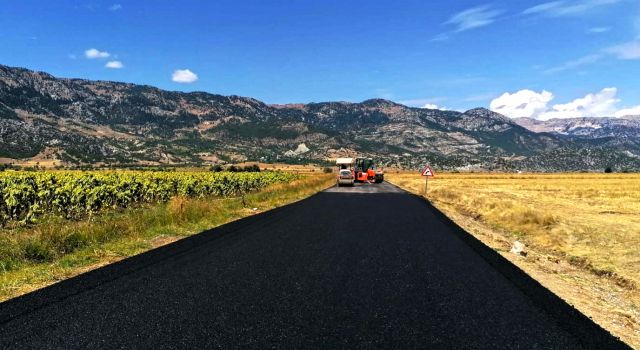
(367, 267)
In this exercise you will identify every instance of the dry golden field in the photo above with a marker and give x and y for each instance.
(292, 168)
(581, 233)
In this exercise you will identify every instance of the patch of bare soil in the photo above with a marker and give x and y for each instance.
(48, 158)
(162, 240)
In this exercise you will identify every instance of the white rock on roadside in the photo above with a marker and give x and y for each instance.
(518, 248)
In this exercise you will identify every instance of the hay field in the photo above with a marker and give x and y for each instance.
(581, 231)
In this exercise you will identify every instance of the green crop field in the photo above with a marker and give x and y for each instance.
(57, 224)
(27, 196)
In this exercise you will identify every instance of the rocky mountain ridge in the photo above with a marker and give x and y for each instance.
(622, 134)
(628, 126)
(75, 121)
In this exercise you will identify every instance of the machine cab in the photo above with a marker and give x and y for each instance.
(365, 170)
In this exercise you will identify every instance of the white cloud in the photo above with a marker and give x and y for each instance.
(95, 53)
(543, 8)
(184, 76)
(585, 60)
(628, 111)
(474, 17)
(433, 106)
(524, 103)
(567, 8)
(527, 103)
(598, 30)
(115, 7)
(114, 65)
(440, 37)
(627, 51)
(600, 104)
(421, 102)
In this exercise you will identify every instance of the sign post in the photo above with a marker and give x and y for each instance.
(427, 173)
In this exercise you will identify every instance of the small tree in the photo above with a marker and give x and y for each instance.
(254, 168)
(217, 168)
(608, 170)
(327, 170)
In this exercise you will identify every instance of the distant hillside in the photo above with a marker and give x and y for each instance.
(77, 121)
(621, 134)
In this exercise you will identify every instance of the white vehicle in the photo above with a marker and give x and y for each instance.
(345, 177)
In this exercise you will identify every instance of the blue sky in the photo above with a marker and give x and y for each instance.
(521, 58)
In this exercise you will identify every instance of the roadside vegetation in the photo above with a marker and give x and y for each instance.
(578, 234)
(26, 196)
(58, 224)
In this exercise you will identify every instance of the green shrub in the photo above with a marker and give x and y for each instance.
(253, 168)
(37, 250)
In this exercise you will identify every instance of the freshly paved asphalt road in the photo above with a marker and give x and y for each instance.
(369, 267)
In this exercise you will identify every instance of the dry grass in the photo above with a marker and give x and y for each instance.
(292, 168)
(582, 230)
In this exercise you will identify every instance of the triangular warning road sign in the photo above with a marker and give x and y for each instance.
(428, 172)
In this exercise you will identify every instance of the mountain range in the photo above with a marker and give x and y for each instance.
(75, 121)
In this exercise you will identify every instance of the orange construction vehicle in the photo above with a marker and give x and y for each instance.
(366, 171)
